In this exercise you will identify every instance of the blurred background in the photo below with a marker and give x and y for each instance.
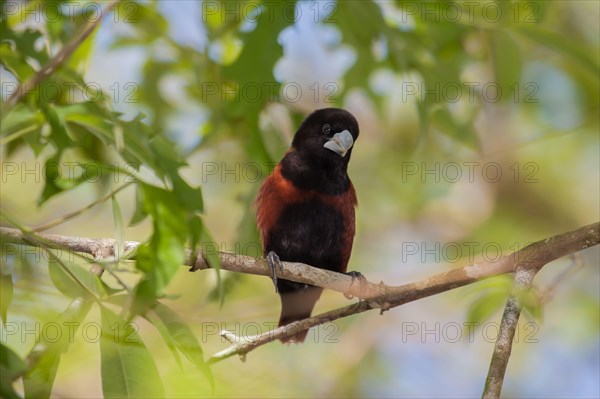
(479, 134)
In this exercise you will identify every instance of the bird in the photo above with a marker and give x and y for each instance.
(305, 209)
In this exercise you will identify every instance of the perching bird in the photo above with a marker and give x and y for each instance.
(305, 208)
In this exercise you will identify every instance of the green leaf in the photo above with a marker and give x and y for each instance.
(485, 306)
(64, 281)
(163, 256)
(210, 251)
(59, 133)
(79, 60)
(19, 118)
(177, 334)
(16, 47)
(118, 221)
(94, 124)
(189, 197)
(491, 295)
(139, 214)
(22, 125)
(530, 303)
(15, 64)
(141, 145)
(51, 179)
(128, 369)
(11, 366)
(6, 295)
(56, 182)
(168, 162)
(39, 379)
(506, 60)
(137, 150)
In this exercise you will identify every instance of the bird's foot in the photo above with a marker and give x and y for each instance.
(274, 263)
(356, 276)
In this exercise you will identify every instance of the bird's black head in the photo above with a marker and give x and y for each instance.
(327, 134)
(321, 151)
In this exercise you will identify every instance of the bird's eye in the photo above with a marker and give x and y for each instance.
(326, 129)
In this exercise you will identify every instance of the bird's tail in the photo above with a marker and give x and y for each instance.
(297, 305)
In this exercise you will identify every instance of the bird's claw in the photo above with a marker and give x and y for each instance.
(355, 276)
(274, 263)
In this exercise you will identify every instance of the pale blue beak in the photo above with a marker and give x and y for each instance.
(340, 143)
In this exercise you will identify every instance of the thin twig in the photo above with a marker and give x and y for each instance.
(119, 280)
(549, 291)
(242, 345)
(78, 212)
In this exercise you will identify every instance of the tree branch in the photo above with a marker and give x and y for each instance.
(379, 295)
(375, 295)
(528, 260)
(510, 319)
